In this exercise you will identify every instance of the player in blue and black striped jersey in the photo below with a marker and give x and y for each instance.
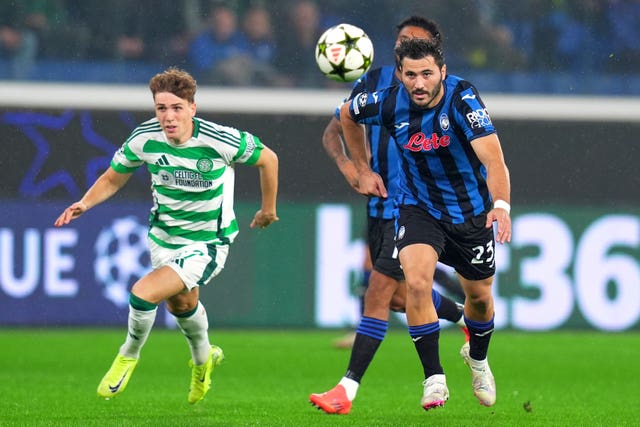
(453, 184)
(386, 283)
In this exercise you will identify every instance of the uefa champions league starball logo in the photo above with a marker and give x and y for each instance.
(122, 257)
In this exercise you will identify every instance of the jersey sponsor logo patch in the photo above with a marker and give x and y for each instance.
(420, 142)
(478, 118)
(165, 177)
(187, 178)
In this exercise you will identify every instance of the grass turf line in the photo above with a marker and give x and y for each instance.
(48, 377)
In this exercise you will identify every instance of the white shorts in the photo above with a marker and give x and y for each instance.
(196, 264)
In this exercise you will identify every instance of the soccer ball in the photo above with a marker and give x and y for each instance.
(344, 52)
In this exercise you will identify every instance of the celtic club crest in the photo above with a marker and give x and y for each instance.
(204, 165)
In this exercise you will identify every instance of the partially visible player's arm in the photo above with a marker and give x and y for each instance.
(369, 182)
(105, 186)
(334, 146)
(488, 150)
(268, 165)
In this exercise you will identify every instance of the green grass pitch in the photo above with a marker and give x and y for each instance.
(48, 377)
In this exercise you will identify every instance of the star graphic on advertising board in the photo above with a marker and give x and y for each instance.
(36, 181)
(29, 122)
(96, 165)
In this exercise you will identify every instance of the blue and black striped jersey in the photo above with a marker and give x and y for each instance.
(439, 171)
(384, 153)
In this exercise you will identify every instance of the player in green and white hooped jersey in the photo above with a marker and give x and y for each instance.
(192, 223)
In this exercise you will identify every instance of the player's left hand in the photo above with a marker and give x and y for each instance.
(263, 219)
(503, 219)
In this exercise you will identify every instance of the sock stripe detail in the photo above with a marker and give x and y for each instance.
(426, 329)
(479, 326)
(140, 304)
(374, 328)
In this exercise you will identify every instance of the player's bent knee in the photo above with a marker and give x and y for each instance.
(480, 302)
(182, 303)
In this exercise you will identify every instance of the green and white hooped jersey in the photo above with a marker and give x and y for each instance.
(192, 183)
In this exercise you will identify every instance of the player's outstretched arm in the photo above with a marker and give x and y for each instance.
(334, 146)
(268, 166)
(105, 186)
(489, 152)
(369, 182)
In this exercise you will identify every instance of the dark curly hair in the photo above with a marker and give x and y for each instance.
(424, 23)
(420, 48)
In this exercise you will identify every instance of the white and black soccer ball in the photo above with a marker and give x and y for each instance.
(122, 257)
(344, 53)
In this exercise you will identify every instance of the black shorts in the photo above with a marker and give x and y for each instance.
(382, 246)
(468, 247)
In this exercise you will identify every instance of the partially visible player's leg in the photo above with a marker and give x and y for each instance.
(369, 334)
(142, 314)
(197, 265)
(448, 282)
(373, 326)
(192, 319)
(194, 325)
(419, 261)
(476, 279)
(420, 242)
(446, 308)
(479, 316)
(143, 302)
(201, 374)
(383, 284)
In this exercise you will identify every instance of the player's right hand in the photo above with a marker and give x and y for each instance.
(501, 216)
(72, 212)
(371, 184)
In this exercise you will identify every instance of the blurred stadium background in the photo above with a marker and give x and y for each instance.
(560, 78)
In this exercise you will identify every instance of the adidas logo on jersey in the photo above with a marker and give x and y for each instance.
(162, 161)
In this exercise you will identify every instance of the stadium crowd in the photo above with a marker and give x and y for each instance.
(271, 43)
